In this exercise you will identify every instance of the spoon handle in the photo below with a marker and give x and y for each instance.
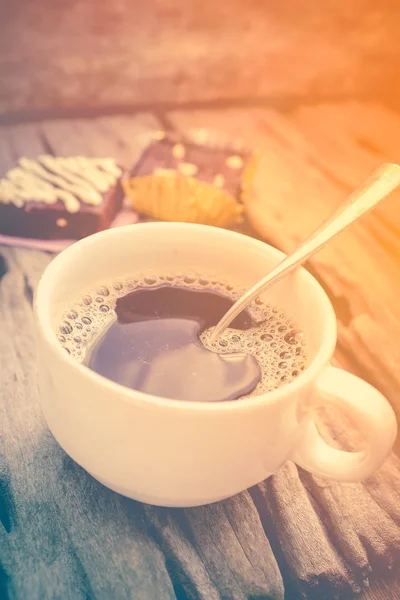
(383, 181)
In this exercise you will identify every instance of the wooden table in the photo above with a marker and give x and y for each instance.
(64, 536)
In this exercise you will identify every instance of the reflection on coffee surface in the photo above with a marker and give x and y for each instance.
(152, 334)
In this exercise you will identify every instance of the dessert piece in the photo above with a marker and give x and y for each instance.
(181, 180)
(59, 198)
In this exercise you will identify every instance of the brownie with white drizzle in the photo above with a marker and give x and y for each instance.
(59, 197)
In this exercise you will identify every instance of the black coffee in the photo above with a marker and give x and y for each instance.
(153, 335)
(154, 346)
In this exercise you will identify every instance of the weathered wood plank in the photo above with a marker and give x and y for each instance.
(42, 572)
(199, 51)
(337, 149)
(6, 154)
(293, 192)
(366, 535)
(258, 567)
(189, 571)
(309, 560)
(387, 478)
(347, 151)
(384, 588)
(384, 488)
(71, 537)
(136, 559)
(292, 195)
(128, 134)
(371, 125)
(330, 539)
(32, 263)
(204, 571)
(25, 140)
(288, 168)
(229, 537)
(202, 565)
(230, 556)
(100, 137)
(6, 555)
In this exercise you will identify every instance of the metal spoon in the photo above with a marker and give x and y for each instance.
(365, 198)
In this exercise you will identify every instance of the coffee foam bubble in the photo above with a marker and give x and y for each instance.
(275, 342)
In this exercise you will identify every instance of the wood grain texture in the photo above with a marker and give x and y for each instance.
(64, 535)
(94, 523)
(222, 547)
(384, 488)
(123, 140)
(387, 588)
(309, 560)
(296, 187)
(354, 527)
(244, 569)
(112, 549)
(7, 160)
(67, 532)
(92, 55)
(25, 140)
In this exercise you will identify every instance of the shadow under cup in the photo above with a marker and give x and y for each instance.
(159, 450)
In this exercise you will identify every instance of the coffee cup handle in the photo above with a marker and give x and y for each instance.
(374, 417)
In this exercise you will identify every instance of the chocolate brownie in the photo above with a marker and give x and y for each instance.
(217, 165)
(59, 198)
(178, 179)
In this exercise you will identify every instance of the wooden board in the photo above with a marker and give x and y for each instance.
(95, 522)
(122, 54)
(7, 160)
(297, 186)
(64, 535)
(100, 137)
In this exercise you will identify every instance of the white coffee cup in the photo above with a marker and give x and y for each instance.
(179, 453)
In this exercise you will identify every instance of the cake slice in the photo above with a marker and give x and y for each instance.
(59, 198)
(180, 179)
